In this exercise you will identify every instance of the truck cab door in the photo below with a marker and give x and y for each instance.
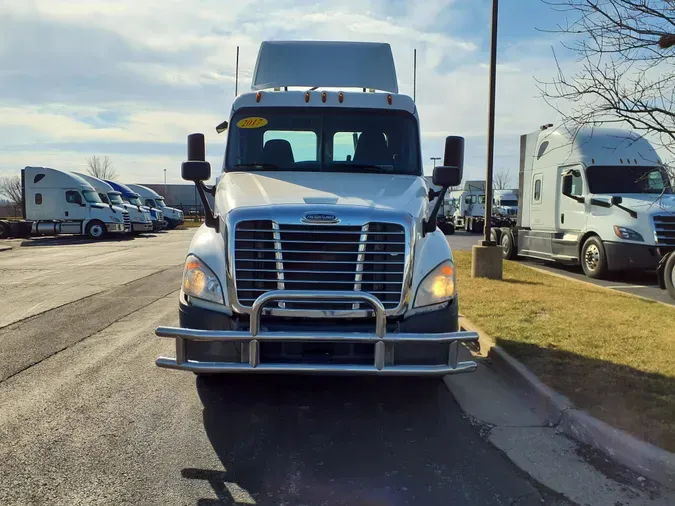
(74, 207)
(572, 209)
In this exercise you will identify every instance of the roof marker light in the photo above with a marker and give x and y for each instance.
(341, 97)
(258, 96)
(389, 99)
(307, 96)
(323, 97)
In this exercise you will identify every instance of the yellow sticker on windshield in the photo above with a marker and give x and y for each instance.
(251, 122)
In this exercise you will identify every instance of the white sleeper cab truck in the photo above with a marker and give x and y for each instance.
(173, 217)
(597, 197)
(59, 202)
(319, 255)
(140, 219)
(467, 206)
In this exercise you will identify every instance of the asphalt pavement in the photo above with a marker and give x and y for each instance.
(87, 418)
(644, 284)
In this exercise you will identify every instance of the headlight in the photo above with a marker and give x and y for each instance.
(200, 281)
(627, 233)
(438, 286)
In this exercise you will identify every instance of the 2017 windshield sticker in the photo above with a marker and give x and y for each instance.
(251, 122)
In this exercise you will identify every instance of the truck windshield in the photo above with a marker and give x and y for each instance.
(160, 202)
(508, 202)
(626, 179)
(323, 140)
(135, 201)
(115, 198)
(91, 196)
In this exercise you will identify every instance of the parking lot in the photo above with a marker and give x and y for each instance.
(87, 418)
(638, 283)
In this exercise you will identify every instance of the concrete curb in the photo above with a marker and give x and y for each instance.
(5, 248)
(644, 458)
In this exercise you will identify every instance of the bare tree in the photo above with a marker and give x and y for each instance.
(10, 187)
(101, 168)
(627, 74)
(501, 179)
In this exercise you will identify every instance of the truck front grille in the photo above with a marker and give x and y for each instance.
(271, 256)
(127, 221)
(664, 225)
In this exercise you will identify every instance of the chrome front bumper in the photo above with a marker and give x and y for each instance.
(250, 355)
(141, 227)
(115, 227)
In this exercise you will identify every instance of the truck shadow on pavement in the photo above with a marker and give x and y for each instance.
(346, 440)
(76, 240)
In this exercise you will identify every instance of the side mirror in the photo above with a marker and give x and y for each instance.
(453, 157)
(567, 185)
(617, 201)
(446, 176)
(196, 168)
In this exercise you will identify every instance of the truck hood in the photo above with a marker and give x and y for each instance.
(649, 203)
(383, 191)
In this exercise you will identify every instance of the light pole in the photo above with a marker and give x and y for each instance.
(486, 258)
(491, 126)
(164, 182)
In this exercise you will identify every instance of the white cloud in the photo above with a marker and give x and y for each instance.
(162, 69)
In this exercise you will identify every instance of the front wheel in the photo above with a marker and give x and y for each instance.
(593, 258)
(669, 275)
(96, 230)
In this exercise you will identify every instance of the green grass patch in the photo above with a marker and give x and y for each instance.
(610, 353)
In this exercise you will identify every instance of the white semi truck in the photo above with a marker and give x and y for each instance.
(140, 218)
(320, 255)
(57, 202)
(505, 202)
(466, 207)
(172, 216)
(595, 197)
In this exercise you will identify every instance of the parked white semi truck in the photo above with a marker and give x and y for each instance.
(596, 197)
(466, 207)
(172, 216)
(57, 202)
(505, 202)
(319, 255)
(140, 219)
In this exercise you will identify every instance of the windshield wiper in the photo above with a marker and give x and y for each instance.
(260, 166)
(384, 169)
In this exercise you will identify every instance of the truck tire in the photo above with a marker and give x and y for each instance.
(96, 230)
(4, 230)
(508, 246)
(593, 258)
(496, 235)
(450, 229)
(669, 275)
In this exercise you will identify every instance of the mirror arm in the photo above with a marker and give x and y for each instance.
(430, 224)
(211, 190)
(210, 219)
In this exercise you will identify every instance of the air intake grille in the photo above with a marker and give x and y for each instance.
(269, 256)
(127, 221)
(664, 225)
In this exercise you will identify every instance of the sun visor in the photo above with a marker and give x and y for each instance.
(325, 64)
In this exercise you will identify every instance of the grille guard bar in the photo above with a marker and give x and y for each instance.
(251, 355)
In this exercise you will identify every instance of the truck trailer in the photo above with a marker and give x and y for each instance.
(57, 202)
(596, 197)
(320, 255)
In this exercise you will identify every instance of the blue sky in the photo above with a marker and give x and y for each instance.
(130, 79)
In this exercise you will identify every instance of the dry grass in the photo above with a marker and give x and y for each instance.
(611, 354)
(192, 224)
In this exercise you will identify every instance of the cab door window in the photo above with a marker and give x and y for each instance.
(73, 197)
